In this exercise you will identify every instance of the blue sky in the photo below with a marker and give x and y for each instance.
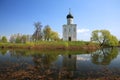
(18, 16)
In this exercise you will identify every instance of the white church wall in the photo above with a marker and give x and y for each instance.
(69, 29)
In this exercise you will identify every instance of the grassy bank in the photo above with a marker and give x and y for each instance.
(52, 45)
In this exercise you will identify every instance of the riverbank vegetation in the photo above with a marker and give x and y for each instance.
(52, 45)
(46, 38)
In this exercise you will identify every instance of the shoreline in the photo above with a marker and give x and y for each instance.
(72, 46)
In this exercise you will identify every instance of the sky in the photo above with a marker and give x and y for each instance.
(19, 16)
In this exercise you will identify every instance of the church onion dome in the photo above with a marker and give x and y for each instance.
(69, 16)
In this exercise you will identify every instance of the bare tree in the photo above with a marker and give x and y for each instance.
(37, 35)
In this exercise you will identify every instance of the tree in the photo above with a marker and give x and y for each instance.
(54, 36)
(47, 32)
(12, 38)
(25, 38)
(4, 39)
(113, 41)
(19, 38)
(37, 35)
(104, 38)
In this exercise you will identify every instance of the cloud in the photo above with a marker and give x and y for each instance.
(83, 30)
(83, 34)
(60, 35)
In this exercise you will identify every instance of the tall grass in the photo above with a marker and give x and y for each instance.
(49, 45)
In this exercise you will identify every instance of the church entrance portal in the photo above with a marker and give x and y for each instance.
(69, 38)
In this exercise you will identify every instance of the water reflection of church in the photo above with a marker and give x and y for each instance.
(74, 62)
(69, 61)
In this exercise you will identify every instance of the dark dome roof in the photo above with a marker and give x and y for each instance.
(69, 15)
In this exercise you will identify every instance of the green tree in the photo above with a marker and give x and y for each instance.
(113, 41)
(4, 39)
(18, 38)
(47, 32)
(25, 38)
(104, 38)
(54, 36)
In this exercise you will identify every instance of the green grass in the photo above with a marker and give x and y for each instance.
(64, 45)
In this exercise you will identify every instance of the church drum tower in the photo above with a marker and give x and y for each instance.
(69, 29)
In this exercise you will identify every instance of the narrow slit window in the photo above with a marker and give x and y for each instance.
(74, 30)
(64, 29)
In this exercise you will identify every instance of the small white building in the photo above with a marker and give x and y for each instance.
(69, 29)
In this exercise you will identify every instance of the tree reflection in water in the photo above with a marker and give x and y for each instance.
(104, 56)
(3, 52)
(26, 65)
(36, 65)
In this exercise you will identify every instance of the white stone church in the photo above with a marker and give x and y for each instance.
(69, 29)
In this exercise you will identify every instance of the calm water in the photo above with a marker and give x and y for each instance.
(54, 65)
